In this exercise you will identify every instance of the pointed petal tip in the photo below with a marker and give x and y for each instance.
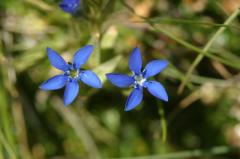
(66, 104)
(71, 92)
(99, 86)
(108, 75)
(48, 49)
(127, 109)
(41, 87)
(166, 63)
(134, 99)
(136, 49)
(89, 45)
(54, 83)
(165, 99)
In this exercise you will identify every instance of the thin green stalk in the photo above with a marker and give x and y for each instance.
(20, 126)
(4, 112)
(219, 150)
(96, 40)
(173, 72)
(7, 134)
(6, 145)
(206, 48)
(180, 41)
(1, 151)
(163, 123)
(187, 21)
(216, 82)
(185, 43)
(76, 123)
(98, 48)
(194, 48)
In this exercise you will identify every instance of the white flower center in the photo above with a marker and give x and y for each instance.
(139, 80)
(73, 73)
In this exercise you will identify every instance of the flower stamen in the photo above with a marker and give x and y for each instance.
(139, 80)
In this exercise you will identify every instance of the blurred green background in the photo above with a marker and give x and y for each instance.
(200, 39)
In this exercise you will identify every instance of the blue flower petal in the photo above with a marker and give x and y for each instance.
(120, 80)
(134, 99)
(154, 67)
(56, 60)
(54, 83)
(70, 6)
(70, 92)
(157, 90)
(70, 1)
(82, 55)
(91, 79)
(135, 61)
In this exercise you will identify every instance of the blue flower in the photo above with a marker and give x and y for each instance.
(139, 79)
(70, 6)
(72, 72)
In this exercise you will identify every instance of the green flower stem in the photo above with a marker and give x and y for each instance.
(96, 40)
(6, 145)
(5, 114)
(194, 48)
(187, 21)
(219, 150)
(79, 128)
(1, 151)
(180, 41)
(163, 123)
(206, 48)
(202, 52)
(98, 48)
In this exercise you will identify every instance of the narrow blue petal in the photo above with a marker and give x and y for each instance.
(91, 79)
(70, 6)
(66, 8)
(134, 99)
(82, 55)
(120, 80)
(154, 67)
(70, 1)
(56, 60)
(70, 92)
(157, 90)
(135, 61)
(54, 83)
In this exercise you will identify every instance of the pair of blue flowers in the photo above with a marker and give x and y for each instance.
(73, 73)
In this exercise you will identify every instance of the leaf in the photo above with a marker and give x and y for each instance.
(109, 38)
(27, 60)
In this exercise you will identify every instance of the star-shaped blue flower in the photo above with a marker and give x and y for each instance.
(72, 73)
(70, 6)
(139, 79)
